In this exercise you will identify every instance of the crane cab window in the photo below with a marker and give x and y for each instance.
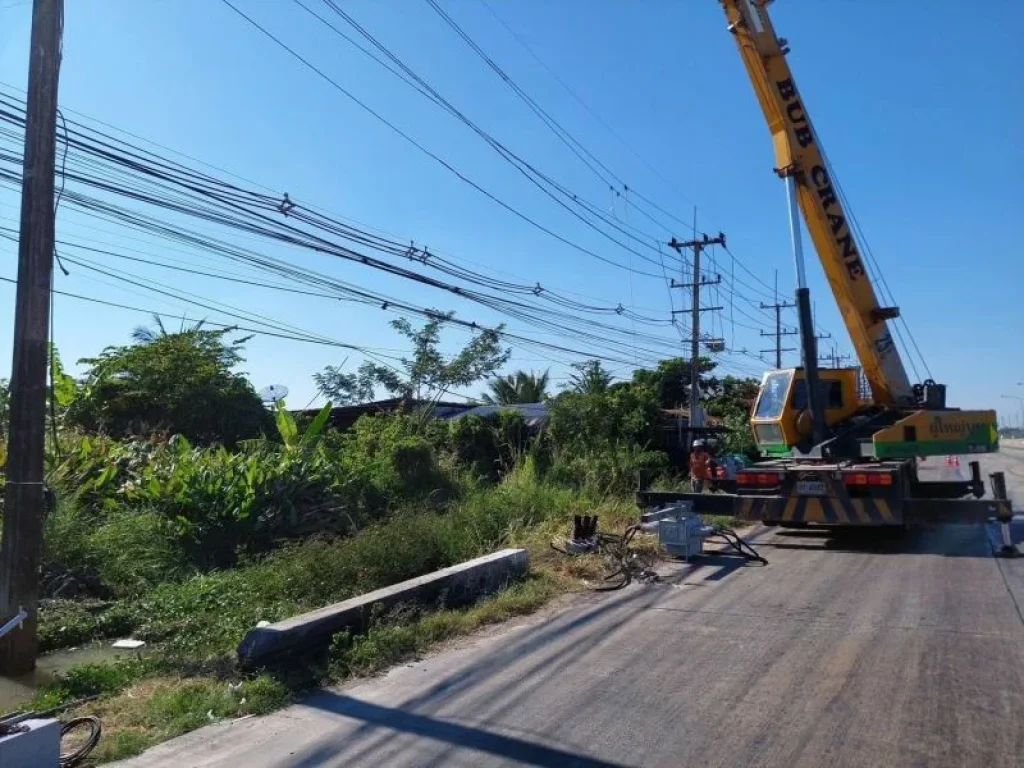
(831, 390)
(772, 399)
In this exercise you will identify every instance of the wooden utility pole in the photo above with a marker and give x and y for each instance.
(24, 497)
(698, 246)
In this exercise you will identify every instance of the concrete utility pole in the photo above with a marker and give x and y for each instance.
(24, 499)
(698, 245)
(835, 358)
(779, 330)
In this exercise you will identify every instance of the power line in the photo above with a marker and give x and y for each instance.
(229, 199)
(567, 137)
(547, 294)
(528, 170)
(318, 244)
(650, 166)
(437, 158)
(574, 144)
(306, 205)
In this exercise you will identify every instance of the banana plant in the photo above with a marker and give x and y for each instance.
(289, 430)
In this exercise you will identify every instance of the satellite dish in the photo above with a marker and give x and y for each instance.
(273, 394)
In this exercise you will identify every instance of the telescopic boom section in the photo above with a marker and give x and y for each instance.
(798, 154)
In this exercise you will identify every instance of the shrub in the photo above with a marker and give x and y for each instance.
(205, 616)
(598, 441)
(219, 502)
(396, 454)
(488, 447)
(610, 471)
(146, 511)
(165, 497)
(133, 552)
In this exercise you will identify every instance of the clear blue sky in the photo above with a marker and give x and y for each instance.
(922, 112)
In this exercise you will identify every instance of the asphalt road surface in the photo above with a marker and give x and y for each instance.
(845, 652)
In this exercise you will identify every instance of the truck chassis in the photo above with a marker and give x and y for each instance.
(847, 494)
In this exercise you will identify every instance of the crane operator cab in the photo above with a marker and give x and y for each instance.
(782, 416)
(781, 419)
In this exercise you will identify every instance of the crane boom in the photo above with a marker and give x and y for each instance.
(835, 460)
(799, 154)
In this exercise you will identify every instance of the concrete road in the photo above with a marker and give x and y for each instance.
(840, 652)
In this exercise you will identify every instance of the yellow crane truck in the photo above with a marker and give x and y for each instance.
(832, 456)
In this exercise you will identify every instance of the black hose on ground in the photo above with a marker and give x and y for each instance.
(738, 543)
(625, 563)
(79, 754)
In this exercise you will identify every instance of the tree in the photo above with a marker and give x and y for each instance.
(602, 439)
(590, 378)
(343, 388)
(670, 380)
(520, 387)
(145, 335)
(64, 388)
(734, 396)
(589, 422)
(427, 375)
(729, 398)
(5, 404)
(182, 383)
(733, 403)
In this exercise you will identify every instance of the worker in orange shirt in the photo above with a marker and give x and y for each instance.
(700, 466)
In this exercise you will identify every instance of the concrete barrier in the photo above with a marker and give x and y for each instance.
(457, 585)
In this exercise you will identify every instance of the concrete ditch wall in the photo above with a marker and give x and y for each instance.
(458, 585)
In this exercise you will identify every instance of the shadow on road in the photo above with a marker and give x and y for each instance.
(716, 565)
(560, 646)
(564, 646)
(401, 721)
(946, 540)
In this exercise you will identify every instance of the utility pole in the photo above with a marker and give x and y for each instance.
(779, 330)
(698, 245)
(835, 358)
(24, 499)
(1020, 400)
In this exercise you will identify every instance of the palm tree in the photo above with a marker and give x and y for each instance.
(520, 387)
(144, 335)
(590, 378)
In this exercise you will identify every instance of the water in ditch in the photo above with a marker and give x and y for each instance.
(15, 692)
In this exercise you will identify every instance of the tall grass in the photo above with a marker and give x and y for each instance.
(205, 616)
(189, 548)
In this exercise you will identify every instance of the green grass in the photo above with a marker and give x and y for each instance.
(160, 708)
(204, 617)
(66, 623)
(155, 707)
(387, 644)
(187, 677)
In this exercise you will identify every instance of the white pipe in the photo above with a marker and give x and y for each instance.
(15, 622)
